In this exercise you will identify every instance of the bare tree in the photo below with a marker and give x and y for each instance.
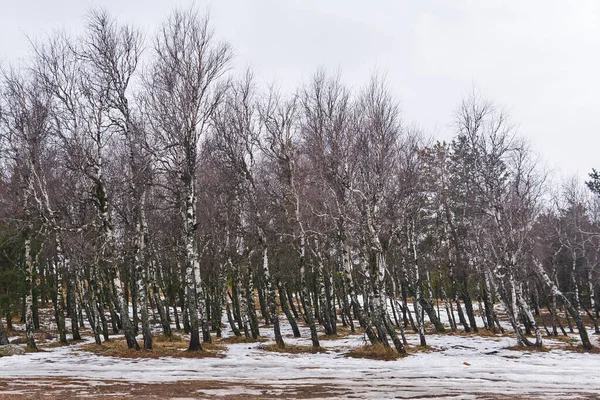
(24, 126)
(182, 91)
(328, 140)
(281, 148)
(237, 139)
(113, 52)
(378, 128)
(508, 189)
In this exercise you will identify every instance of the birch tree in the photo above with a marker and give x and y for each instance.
(24, 125)
(182, 91)
(237, 139)
(379, 130)
(508, 191)
(113, 52)
(281, 121)
(329, 140)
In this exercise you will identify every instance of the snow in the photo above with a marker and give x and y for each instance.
(461, 366)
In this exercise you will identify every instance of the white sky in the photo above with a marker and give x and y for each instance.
(538, 58)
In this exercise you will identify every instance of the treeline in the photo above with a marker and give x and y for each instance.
(142, 179)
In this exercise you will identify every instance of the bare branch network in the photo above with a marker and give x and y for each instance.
(144, 180)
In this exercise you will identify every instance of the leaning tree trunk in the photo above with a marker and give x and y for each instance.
(488, 304)
(120, 299)
(158, 300)
(250, 305)
(90, 304)
(380, 303)
(447, 303)
(508, 299)
(572, 309)
(349, 282)
(128, 327)
(286, 310)
(527, 311)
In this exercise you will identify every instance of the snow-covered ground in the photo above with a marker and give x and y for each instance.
(462, 366)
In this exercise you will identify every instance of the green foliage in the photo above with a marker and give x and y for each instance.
(594, 183)
(12, 279)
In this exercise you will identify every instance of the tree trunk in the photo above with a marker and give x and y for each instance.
(72, 301)
(585, 340)
(3, 337)
(287, 312)
(60, 268)
(270, 292)
(29, 283)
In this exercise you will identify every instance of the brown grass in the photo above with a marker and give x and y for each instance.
(573, 344)
(565, 339)
(30, 350)
(420, 349)
(580, 349)
(56, 344)
(487, 333)
(292, 349)
(542, 349)
(174, 338)
(176, 347)
(481, 332)
(19, 340)
(241, 339)
(375, 352)
(341, 333)
(41, 336)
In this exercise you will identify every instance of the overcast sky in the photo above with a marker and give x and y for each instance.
(538, 59)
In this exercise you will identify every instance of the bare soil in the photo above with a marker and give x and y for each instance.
(65, 388)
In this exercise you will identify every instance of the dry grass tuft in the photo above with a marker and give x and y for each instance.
(487, 333)
(580, 349)
(574, 345)
(30, 350)
(542, 349)
(56, 344)
(480, 332)
(565, 339)
(292, 349)
(420, 349)
(19, 340)
(341, 333)
(173, 348)
(375, 352)
(174, 338)
(241, 339)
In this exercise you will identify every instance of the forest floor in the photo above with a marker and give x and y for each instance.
(452, 366)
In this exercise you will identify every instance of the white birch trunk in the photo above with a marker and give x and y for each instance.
(29, 263)
(142, 270)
